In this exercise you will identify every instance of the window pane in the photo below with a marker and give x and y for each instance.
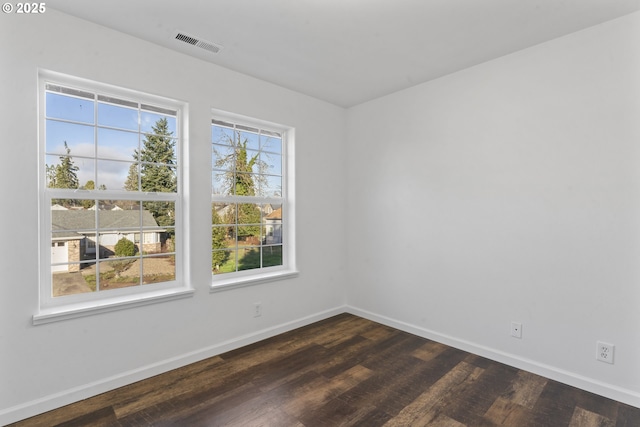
(158, 149)
(69, 108)
(117, 144)
(271, 256)
(249, 214)
(249, 140)
(158, 178)
(220, 213)
(158, 214)
(220, 260)
(70, 281)
(67, 219)
(118, 273)
(222, 135)
(117, 116)
(117, 175)
(79, 139)
(227, 263)
(86, 171)
(273, 227)
(272, 162)
(223, 157)
(248, 257)
(158, 269)
(69, 172)
(271, 144)
(118, 219)
(219, 182)
(272, 186)
(107, 241)
(245, 184)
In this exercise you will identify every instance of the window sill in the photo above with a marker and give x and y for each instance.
(254, 279)
(72, 311)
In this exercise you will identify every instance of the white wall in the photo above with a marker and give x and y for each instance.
(48, 365)
(509, 191)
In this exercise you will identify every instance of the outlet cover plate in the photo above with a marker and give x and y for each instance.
(605, 352)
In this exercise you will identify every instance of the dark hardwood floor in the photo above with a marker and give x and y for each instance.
(345, 371)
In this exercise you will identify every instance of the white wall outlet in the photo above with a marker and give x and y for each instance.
(257, 309)
(605, 352)
(516, 329)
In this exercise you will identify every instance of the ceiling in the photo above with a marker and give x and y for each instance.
(349, 51)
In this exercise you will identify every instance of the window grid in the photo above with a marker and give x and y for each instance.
(158, 211)
(247, 188)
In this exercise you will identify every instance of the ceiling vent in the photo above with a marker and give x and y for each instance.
(203, 44)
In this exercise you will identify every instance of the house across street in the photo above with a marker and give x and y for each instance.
(74, 234)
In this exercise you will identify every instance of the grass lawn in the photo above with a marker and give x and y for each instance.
(249, 258)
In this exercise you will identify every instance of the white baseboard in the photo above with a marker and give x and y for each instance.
(610, 391)
(65, 397)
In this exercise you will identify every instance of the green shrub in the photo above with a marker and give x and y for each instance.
(125, 247)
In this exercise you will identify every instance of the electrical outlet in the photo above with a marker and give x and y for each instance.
(257, 309)
(605, 352)
(516, 329)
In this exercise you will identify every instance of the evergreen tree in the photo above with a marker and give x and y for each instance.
(63, 175)
(157, 170)
(131, 184)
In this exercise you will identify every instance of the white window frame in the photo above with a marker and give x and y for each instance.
(72, 306)
(221, 282)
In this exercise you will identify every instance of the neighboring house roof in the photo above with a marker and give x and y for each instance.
(110, 220)
(275, 215)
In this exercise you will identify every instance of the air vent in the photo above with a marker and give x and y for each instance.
(203, 44)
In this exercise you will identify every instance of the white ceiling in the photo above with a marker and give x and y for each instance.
(349, 51)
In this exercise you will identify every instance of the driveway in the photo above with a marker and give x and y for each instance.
(68, 284)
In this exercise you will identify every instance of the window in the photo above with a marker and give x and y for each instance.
(251, 214)
(110, 168)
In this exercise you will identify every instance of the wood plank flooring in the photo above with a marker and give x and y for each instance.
(345, 371)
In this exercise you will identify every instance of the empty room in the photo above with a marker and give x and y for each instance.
(320, 213)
